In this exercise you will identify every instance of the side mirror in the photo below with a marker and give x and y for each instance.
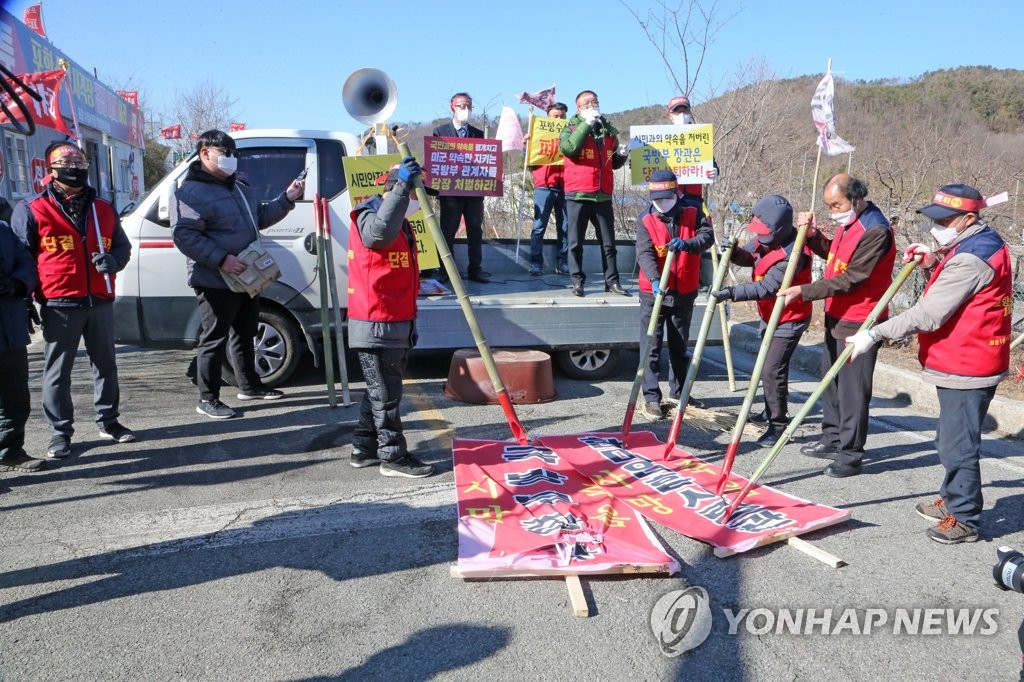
(127, 209)
(166, 195)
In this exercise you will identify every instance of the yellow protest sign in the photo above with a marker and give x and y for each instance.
(687, 150)
(361, 173)
(543, 148)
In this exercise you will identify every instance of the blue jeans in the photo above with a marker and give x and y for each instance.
(546, 199)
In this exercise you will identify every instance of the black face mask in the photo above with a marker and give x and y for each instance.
(72, 177)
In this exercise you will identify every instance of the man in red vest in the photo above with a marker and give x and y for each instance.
(962, 322)
(79, 246)
(548, 198)
(673, 222)
(383, 282)
(769, 255)
(592, 153)
(858, 270)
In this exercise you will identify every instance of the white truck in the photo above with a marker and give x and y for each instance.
(156, 308)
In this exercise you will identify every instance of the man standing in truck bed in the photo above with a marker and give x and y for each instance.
(213, 222)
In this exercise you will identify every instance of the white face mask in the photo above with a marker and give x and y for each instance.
(682, 119)
(587, 113)
(844, 218)
(943, 235)
(227, 164)
(663, 206)
(462, 115)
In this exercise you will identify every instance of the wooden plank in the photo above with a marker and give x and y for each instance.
(628, 569)
(810, 550)
(577, 600)
(722, 552)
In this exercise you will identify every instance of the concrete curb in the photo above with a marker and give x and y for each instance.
(1004, 415)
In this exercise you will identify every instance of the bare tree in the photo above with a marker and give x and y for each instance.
(202, 108)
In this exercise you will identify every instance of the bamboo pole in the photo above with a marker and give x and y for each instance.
(652, 328)
(1016, 342)
(830, 375)
(726, 345)
(698, 350)
(522, 196)
(467, 308)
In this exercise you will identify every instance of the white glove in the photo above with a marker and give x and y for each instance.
(861, 342)
(712, 174)
(623, 150)
(590, 115)
(920, 252)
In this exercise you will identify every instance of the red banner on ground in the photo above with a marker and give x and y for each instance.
(679, 493)
(525, 508)
(463, 166)
(46, 112)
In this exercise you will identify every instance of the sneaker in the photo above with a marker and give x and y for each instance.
(933, 511)
(652, 411)
(535, 271)
(260, 394)
(407, 466)
(949, 531)
(116, 432)
(563, 270)
(21, 462)
(60, 447)
(361, 459)
(214, 409)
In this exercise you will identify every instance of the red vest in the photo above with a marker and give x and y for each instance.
(64, 256)
(591, 171)
(685, 275)
(856, 305)
(382, 284)
(975, 341)
(795, 311)
(548, 176)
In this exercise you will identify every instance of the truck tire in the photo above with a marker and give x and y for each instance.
(588, 365)
(278, 349)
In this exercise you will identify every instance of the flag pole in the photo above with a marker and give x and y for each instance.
(63, 64)
(522, 196)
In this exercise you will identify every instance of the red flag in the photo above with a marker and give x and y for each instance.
(130, 95)
(542, 99)
(46, 112)
(235, 127)
(194, 136)
(171, 132)
(34, 18)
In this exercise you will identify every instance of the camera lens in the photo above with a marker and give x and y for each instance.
(1009, 570)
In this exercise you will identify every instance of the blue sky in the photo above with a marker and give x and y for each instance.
(285, 63)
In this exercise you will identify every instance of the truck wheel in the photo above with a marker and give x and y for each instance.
(278, 350)
(588, 365)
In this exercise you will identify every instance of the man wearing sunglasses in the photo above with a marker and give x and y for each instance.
(214, 220)
(79, 246)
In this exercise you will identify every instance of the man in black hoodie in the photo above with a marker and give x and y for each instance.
(213, 221)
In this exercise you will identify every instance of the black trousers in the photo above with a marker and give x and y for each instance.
(844, 404)
(15, 405)
(453, 209)
(674, 322)
(602, 217)
(958, 441)
(229, 328)
(379, 430)
(775, 377)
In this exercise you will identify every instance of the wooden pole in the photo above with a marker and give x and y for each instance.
(325, 310)
(338, 335)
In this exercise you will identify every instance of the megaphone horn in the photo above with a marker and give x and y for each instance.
(369, 96)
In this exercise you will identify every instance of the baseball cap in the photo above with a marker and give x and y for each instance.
(676, 102)
(383, 177)
(953, 200)
(772, 215)
(663, 184)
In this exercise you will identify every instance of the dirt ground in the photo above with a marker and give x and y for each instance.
(901, 354)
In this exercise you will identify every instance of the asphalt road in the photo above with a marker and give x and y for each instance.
(248, 549)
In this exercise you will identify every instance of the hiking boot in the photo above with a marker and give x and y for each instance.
(408, 467)
(934, 511)
(214, 409)
(652, 411)
(21, 462)
(535, 271)
(260, 394)
(772, 434)
(116, 432)
(759, 418)
(949, 531)
(59, 448)
(360, 459)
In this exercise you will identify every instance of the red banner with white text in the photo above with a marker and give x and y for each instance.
(45, 112)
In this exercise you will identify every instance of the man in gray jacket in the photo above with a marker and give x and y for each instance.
(213, 222)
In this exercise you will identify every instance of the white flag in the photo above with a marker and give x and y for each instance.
(510, 130)
(825, 118)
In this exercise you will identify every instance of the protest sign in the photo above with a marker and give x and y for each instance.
(543, 148)
(686, 150)
(463, 166)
